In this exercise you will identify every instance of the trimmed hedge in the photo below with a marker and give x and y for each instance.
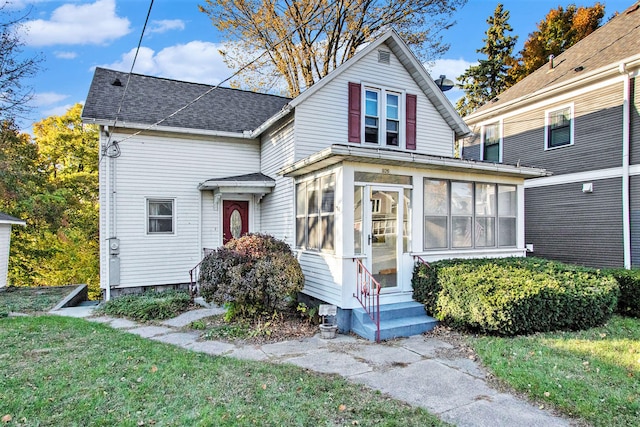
(510, 296)
(629, 301)
(252, 275)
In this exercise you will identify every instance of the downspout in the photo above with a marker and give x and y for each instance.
(626, 150)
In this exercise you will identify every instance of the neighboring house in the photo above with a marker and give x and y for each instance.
(6, 221)
(359, 168)
(577, 117)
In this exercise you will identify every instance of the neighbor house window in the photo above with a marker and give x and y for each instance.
(491, 143)
(160, 216)
(461, 215)
(315, 213)
(559, 127)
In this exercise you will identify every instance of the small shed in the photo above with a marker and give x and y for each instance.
(6, 221)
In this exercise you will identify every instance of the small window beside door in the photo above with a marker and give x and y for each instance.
(315, 211)
(160, 216)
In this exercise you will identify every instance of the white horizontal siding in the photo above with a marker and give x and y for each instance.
(5, 240)
(163, 167)
(276, 208)
(321, 120)
(322, 276)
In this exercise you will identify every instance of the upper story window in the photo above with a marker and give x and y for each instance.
(381, 116)
(491, 143)
(558, 127)
(160, 216)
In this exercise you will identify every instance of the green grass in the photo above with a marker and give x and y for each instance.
(593, 374)
(148, 306)
(64, 371)
(32, 299)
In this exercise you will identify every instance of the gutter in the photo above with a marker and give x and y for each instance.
(173, 129)
(626, 151)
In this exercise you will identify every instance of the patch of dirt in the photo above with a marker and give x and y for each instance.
(264, 330)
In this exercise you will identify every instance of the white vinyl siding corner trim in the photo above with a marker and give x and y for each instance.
(547, 125)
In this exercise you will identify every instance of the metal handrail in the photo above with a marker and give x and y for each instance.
(194, 288)
(368, 294)
(422, 261)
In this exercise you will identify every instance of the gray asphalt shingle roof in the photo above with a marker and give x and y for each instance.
(618, 39)
(8, 218)
(150, 99)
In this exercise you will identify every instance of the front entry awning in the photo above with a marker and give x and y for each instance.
(254, 183)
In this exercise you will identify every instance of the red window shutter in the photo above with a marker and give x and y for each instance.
(354, 112)
(412, 101)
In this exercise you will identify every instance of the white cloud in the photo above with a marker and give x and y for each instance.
(452, 68)
(65, 55)
(57, 111)
(196, 61)
(165, 25)
(78, 24)
(48, 98)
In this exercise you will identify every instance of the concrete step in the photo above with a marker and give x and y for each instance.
(393, 311)
(393, 323)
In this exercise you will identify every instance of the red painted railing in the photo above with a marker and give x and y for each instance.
(368, 294)
(419, 258)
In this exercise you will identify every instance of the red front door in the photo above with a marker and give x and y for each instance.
(235, 219)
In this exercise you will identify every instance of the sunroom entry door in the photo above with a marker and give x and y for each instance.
(384, 239)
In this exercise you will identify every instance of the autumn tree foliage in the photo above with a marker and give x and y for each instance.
(484, 81)
(304, 40)
(558, 31)
(51, 181)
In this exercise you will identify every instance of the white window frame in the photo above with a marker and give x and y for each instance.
(501, 139)
(382, 115)
(547, 114)
(320, 214)
(149, 200)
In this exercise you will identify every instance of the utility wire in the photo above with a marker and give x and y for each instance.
(126, 86)
(211, 89)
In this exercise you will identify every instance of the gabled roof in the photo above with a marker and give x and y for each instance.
(8, 219)
(415, 69)
(150, 99)
(618, 41)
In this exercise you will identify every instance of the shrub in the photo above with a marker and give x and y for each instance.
(149, 306)
(515, 295)
(629, 301)
(252, 275)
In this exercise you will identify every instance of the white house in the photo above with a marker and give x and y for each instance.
(6, 221)
(357, 172)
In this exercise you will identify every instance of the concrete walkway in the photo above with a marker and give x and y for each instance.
(421, 370)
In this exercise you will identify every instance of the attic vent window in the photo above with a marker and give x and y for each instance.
(384, 57)
(116, 82)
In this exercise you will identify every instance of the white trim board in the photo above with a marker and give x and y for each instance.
(569, 178)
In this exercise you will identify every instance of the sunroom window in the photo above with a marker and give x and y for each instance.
(465, 215)
(315, 213)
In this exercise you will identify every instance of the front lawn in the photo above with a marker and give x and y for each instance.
(593, 374)
(32, 299)
(64, 371)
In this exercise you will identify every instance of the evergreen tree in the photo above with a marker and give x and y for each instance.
(486, 80)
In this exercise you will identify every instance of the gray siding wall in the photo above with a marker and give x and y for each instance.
(634, 196)
(635, 120)
(597, 137)
(471, 146)
(565, 224)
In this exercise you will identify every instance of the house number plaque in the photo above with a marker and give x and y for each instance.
(385, 171)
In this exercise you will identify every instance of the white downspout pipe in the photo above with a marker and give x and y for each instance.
(626, 151)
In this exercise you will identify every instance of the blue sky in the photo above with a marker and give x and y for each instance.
(74, 37)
